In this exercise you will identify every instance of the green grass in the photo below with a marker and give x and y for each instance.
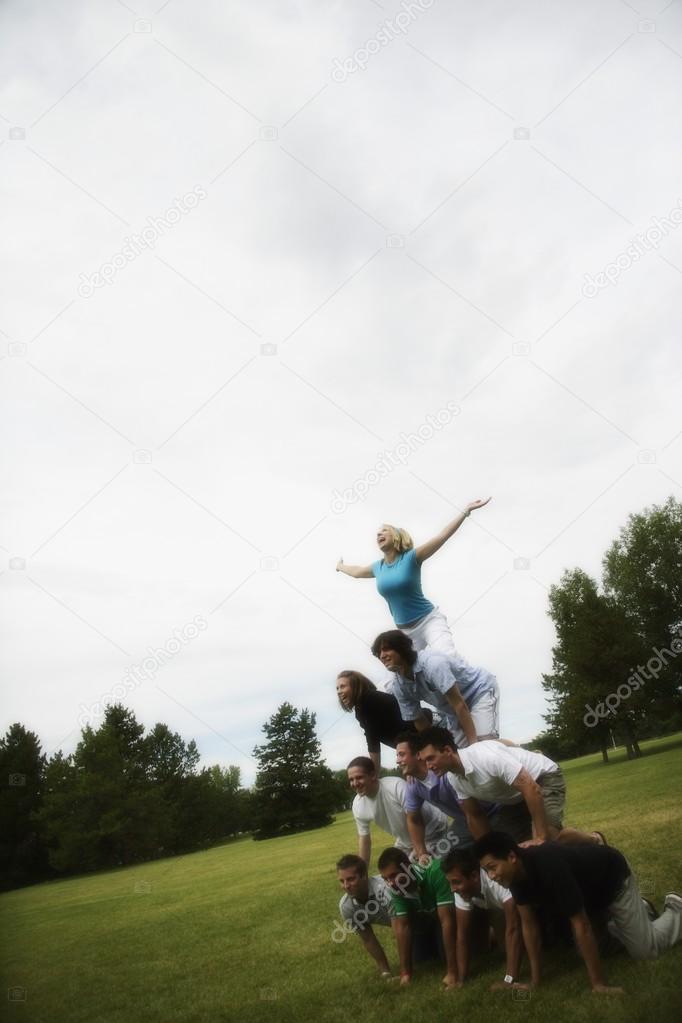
(242, 932)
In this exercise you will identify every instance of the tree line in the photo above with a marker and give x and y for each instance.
(617, 662)
(125, 796)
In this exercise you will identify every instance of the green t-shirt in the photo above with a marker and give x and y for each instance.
(432, 890)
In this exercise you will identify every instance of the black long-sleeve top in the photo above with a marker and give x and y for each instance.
(379, 716)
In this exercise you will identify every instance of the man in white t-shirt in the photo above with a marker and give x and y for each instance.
(383, 800)
(366, 903)
(528, 786)
(472, 887)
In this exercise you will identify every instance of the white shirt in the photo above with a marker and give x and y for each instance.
(490, 768)
(493, 896)
(377, 910)
(387, 808)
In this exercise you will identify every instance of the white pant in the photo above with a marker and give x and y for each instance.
(485, 715)
(629, 922)
(433, 631)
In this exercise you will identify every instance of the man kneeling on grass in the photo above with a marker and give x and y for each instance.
(472, 887)
(578, 881)
(424, 913)
(366, 901)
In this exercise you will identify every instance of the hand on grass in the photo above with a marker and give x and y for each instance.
(450, 981)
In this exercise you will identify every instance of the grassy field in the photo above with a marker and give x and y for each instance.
(243, 932)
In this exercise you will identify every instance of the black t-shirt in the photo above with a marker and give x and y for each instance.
(567, 878)
(379, 716)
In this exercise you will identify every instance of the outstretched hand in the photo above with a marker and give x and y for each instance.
(473, 505)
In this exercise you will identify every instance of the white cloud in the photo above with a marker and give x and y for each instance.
(401, 248)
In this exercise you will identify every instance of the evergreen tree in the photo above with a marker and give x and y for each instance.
(121, 797)
(22, 777)
(100, 808)
(212, 807)
(170, 766)
(294, 789)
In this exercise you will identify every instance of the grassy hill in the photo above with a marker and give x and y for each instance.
(243, 932)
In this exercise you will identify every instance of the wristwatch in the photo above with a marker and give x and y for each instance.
(508, 979)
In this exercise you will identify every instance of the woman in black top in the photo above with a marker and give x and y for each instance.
(377, 713)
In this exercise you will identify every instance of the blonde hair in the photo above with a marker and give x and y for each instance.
(401, 538)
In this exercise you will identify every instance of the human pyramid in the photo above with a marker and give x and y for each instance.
(479, 838)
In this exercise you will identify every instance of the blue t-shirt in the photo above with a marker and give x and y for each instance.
(400, 585)
(440, 793)
(435, 674)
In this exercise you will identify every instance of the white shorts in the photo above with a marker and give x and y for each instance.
(433, 631)
(486, 717)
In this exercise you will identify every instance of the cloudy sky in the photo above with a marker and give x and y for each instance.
(250, 248)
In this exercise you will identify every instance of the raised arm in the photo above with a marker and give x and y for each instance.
(425, 550)
(357, 571)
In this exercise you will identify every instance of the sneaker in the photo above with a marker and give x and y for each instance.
(650, 908)
(673, 901)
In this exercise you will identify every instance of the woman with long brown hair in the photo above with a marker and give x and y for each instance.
(377, 713)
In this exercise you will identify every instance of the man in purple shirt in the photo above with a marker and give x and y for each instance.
(425, 786)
